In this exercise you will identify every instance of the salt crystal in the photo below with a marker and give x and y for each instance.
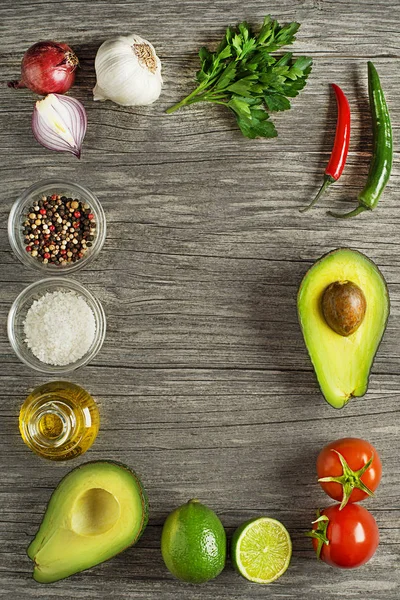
(59, 327)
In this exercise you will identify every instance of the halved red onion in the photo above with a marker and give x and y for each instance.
(59, 123)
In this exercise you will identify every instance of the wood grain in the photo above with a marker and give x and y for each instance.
(204, 384)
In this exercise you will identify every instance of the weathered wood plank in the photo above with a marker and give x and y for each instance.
(203, 382)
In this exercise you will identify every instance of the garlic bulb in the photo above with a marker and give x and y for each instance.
(128, 71)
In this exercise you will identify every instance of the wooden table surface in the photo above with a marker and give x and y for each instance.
(204, 383)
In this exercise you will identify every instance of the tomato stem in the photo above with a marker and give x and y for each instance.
(350, 479)
(320, 532)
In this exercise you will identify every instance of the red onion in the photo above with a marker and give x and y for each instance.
(59, 123)
(47, 67)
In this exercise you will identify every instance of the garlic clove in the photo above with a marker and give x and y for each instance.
(98, 93)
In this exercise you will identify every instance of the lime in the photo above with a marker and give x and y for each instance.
(261, 550)
(193, 543)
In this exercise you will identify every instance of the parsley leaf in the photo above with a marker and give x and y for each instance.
(244, 76)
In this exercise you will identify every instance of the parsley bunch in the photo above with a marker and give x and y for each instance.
(243, 75)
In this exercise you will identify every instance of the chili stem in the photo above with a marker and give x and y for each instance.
(352, 213)
(327, 182)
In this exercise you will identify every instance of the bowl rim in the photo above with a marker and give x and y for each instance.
(18, 247)
(93, 302)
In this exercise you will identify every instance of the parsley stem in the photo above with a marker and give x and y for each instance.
(189, 99)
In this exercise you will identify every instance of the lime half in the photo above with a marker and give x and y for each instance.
(261, 550)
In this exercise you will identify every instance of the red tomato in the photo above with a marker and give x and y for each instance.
(352, 533)
(356, 454)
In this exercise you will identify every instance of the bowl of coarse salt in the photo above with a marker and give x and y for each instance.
(56, 326)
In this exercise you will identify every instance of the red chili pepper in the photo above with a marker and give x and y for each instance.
(340, 150)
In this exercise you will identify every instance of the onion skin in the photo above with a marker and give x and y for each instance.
(47, 67)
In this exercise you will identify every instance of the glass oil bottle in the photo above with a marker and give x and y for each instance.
(59, 420)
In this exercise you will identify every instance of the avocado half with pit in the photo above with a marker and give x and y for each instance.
(343, 307)
(96, 511)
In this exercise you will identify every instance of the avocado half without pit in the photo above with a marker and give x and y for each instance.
(343, 307)
(96, 511)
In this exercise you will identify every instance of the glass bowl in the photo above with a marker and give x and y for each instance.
(28, 199)
(18, 312)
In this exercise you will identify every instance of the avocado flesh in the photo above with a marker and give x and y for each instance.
(97, 510)
(342, 364)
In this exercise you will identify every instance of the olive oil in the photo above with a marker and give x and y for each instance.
(59, 420)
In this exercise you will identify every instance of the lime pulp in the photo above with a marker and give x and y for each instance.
(261, 550)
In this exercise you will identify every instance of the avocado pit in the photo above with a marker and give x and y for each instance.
(344, 306)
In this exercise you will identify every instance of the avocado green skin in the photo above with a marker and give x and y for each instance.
(323, 257)
(143, 497)
(188, 534)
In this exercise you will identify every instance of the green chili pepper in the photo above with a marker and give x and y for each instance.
(382, 157)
